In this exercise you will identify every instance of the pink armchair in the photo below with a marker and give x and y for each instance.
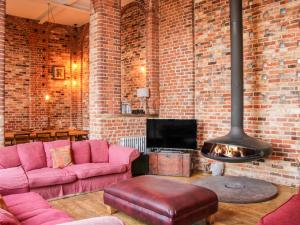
(286, 214)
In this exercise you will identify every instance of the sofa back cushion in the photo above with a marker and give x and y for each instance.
(53, 144)
(81, 152)
(99, 151)
(9, 157)
(6, 218)
(61, 157)
(32, 155)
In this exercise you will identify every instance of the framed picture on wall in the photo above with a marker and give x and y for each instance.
(58, 72)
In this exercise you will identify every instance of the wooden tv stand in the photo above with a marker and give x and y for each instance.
(167, 163)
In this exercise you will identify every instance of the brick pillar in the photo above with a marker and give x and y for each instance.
(105, 62)
(152, 54)
(2, 40)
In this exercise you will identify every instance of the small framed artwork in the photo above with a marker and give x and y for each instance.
(58, 72)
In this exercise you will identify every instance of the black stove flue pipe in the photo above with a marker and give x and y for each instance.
(253, 148)
(237, 84)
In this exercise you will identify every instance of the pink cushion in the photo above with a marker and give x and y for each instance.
(13, 180)
(48, 217)
(103, 220)
(81, 152)
(287, 214)
(31, 209)
(53, 144)
(9, 157)
(23, 205)
(49, 176)
(32, 155)
(6, 218)
(99, 151)
(83, 171)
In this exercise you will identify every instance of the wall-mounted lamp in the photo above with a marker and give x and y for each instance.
(74, 66)
(74, 82)
(143, 69)
(47, 97)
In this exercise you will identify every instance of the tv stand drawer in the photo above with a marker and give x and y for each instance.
(170, 164)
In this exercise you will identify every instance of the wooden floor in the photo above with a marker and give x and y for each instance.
(91, 205)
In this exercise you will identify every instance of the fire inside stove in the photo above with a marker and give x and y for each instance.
(228, 151)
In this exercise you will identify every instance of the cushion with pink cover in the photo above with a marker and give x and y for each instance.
(32, 155)
(81, 152)
(6, 218)
(103, 220)
(23, 206)
(48, 217)
(286, 214)
(53, 144)
(31, 209)
(9, 157)
(13, 180)
(99, 151)
(49, 176)
(83, 171)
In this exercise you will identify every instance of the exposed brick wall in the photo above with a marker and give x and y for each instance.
(31, 50)
(272, 81)
(133, 48)
(115, 127)
(152, 54)
(85, 76)
(176, 59)
(2, 74)
(105, 62)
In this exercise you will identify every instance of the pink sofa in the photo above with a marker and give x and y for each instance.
(286, 214)
(28, 168)
(31, 209)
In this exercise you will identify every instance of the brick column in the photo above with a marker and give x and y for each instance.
(2, 40)
(152, 54)
(105, 62)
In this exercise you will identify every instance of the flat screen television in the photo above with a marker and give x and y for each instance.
(171, 133)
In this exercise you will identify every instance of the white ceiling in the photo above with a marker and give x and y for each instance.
(67, 12)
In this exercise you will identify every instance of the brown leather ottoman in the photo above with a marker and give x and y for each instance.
(160, 201)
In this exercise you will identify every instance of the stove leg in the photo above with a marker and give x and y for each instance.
(110, 210)
(210, 219)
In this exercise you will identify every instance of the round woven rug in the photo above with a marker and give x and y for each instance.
(233, 189)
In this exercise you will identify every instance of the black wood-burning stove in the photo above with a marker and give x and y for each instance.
(236, 146)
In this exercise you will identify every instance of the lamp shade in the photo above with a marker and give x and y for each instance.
(143, 92)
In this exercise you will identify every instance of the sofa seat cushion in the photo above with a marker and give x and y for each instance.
(6, 218)
(31, 209)
(23, 206)
(13, 180)
(287, 214)
(49, 176)
(47, 217)
(9, 157)
(87, 170)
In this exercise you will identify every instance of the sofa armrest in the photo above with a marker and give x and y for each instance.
(103, 220)
(120, 154)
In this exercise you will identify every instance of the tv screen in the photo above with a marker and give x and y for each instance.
(171, 133)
